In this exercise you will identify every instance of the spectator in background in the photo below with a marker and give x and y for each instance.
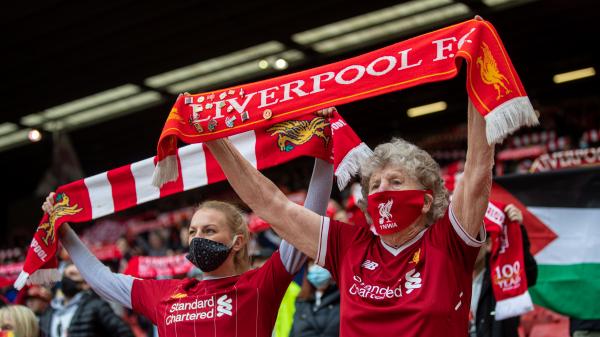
(126, 252)
(156, 244)
(259, 256)
(37, 298)
(336, 212)
(317, 305)
(352, 206)
(123, 246)
(150, 244)
(483, 322)
(80, 313)
(18, 320)
(3, 300)
(584, 328)
(184, 237)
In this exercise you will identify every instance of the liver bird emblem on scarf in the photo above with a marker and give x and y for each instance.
(298, 132)
(60, 209)
(490, 74)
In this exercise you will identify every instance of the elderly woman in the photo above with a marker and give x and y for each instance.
(414, 278)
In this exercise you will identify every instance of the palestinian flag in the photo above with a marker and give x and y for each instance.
(561, 211)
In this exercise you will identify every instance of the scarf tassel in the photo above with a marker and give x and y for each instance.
(514, 306)
(40, 276)
(508, 117)
(165, 171)
(350, 165)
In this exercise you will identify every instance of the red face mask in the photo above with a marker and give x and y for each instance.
(394, 211)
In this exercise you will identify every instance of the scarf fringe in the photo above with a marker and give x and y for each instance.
(350, 164)
(508, 117)
(165, 171)
(514, 306)
(40, 277)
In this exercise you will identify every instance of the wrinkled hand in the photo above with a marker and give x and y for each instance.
(49, 203)
(514, 214)
(47, 208)
(326, 113)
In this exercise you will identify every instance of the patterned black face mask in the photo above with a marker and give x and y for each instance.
(208, 255)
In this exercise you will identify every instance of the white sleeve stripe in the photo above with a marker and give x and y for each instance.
(468, 239)
(291, 258)
(319, 242)
(323, 236)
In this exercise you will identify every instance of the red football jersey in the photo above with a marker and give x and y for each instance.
(420, 289)
(244, 305)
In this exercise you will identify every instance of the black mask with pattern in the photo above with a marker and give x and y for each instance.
(207, 255)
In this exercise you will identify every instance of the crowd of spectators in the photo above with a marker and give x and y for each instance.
(571, 125)
(312, 302)
(118, 242)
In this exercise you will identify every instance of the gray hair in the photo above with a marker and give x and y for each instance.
(416, 163)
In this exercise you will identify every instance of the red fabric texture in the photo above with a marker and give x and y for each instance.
(9, 273)
(72, 204)
(355, 214)
(241, 305)
(107, 252)
(424, 290)
(507, 266)
(151, 267)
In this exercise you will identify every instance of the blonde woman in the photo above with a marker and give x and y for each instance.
(19, 320)
(231, 299)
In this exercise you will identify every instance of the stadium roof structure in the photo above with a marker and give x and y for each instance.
(107, 72)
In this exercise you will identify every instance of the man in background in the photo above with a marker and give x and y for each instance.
(79, 312)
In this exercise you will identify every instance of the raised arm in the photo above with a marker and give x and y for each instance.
(294, 223)
(317, 198)
(470, 199)
(110, 286)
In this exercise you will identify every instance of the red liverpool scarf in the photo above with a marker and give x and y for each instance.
(492, 84)
(329, 139)
(507, 268)
(9, 273)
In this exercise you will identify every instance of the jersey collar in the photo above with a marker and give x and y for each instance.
(396, 251)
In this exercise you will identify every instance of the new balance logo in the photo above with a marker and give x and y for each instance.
(224, 306)
(370, 264)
